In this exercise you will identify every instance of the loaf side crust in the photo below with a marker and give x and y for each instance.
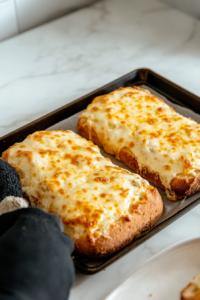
(143, 217)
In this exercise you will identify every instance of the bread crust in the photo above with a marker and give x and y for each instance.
(182, 187)
(143, 216)
(195, 296)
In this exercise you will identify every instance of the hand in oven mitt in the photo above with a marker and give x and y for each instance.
(10, 189)
(35, 256)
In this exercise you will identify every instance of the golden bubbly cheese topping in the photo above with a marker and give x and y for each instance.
(162, 140)
(67, 175)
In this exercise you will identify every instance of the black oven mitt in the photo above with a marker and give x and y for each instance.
(9, 181)
(35, 256)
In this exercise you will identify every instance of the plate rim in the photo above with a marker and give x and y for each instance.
(169, 249)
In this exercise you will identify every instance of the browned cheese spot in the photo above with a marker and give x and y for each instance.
(95, 108)
(124, 192)
(101, 99)
(136, 208)
(187, 164)
(161, 109)
(76, 147)
(103, 195)
(96, 234)
(91, 239)
(120, 140)
(99, 158)
(131, 144)
(142, 132)
(62, 191)
(47, 152)
(109, 116)
(126, 218)
(27, 154)
(87, 220)
(167, 168)
(91, 150)
(151, 121)
(102, 180)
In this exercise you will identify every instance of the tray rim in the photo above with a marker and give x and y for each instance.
(139, 76)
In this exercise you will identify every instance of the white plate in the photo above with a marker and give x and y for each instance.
(164, 275)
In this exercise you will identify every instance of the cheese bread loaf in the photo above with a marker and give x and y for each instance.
(149, 136)
(102, 206)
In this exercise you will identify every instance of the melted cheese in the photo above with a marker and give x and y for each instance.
(69, 177)
(161, 139)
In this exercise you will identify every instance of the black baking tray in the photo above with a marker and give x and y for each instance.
(137, 77)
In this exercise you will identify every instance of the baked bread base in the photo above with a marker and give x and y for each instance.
(182, 186)
(143, 216)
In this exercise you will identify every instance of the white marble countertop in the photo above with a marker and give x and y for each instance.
(54, 64)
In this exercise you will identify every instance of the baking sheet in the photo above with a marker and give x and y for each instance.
(170, 207)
